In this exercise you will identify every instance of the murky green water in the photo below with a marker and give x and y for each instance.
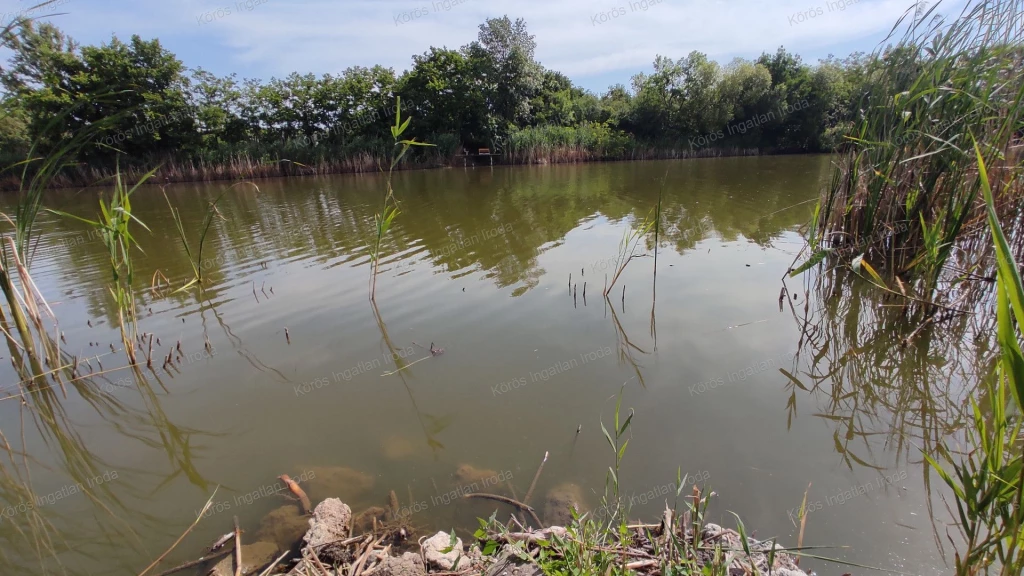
(479, 264)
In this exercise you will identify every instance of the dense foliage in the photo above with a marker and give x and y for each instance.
(491, 93)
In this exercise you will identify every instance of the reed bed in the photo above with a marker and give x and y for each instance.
(905, 196)
(597, 142)
(250, 163)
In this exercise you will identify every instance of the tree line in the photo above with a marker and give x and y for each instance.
(145, 107)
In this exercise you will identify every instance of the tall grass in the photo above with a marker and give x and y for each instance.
(905, 197)
(256, 159)
(594, 142)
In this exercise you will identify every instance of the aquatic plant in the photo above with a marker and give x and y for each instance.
(987, 481)
(904, 201)
(211, 212)
(113, 227)
(628, 245)
(389, 209)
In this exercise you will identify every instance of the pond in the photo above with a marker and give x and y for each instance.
(489, 345)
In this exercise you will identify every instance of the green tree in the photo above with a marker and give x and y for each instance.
(442, 92)
(133, 94)
(503, 59)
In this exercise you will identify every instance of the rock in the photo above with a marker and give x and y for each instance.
(408, 564)
(283, 526)
(509, 564)
(714, 535)
(336, 482)
(255, 557)
(558, 502)
(712, 530)
(363, 522)
(432, 551)
(788, 572)
(331, 522)
(397, 447)
(469, 474)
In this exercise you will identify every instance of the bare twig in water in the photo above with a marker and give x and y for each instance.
(196, 562)
(509, 501)
(409, 365)
(803, 522)
(535, 477)
(238, 549)
(276, 562)
(183, 534)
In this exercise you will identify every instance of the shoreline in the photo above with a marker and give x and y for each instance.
(331, 540)
(553, 530)
(179, 174)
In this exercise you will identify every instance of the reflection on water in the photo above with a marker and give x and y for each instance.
(889, 388)
(480, 355)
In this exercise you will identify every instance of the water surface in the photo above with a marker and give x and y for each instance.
(489, 264)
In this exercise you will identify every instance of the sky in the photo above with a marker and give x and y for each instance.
(597, 43)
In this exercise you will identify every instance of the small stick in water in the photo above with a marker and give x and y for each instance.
(220, 542)
(287, 336)
(533, 484)
(509, 501)
(238, 549)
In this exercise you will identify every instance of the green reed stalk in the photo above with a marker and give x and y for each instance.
(905, 194)
(113, 226)
(389, 209)
(988, 482)
(631, 238)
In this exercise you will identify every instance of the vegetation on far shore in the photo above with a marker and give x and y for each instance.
(145, 108)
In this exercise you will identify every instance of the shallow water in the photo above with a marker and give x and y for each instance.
(300, 378)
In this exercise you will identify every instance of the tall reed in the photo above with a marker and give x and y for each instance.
(988, 481)
(113, 227)
(196, 260)
(905, 196)
(389, 209)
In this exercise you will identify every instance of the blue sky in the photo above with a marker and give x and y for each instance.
(595, 42)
